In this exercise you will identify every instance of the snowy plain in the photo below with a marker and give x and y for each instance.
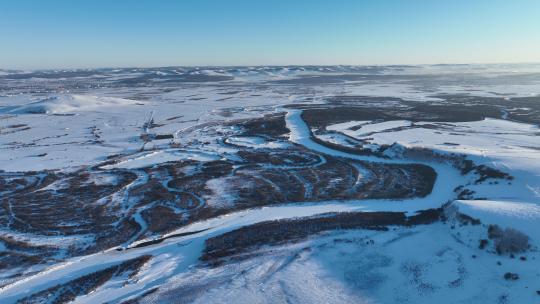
(65, 130)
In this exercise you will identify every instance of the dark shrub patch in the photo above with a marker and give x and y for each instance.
(510, 276)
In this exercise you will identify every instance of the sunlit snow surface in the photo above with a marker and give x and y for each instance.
(67, 120)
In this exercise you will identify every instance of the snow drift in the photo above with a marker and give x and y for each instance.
(63, 104)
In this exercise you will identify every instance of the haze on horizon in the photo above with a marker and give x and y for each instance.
(86, 34)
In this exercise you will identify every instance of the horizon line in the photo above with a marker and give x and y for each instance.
(265, 65)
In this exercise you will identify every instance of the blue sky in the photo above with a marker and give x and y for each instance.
(98, 33)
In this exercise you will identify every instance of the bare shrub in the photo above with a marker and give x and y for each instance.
(494, 232)
(511, 241)
(509, 276)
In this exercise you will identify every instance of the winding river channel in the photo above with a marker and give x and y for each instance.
(176, 255)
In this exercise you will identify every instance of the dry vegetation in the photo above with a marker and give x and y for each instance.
(242, 240)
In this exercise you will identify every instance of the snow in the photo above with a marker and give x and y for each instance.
(523, 216)
(64, 131)
(508, 146)
(490, 137)
(323, 269)
(366, 129)
(338, 138)
(63, 104)
(118, 113)
(185, 250)
(518, 210)
(188, 252)
(301, 134)
(86, 129)
(151, 158)
(346, 125)
(47, 240)
(220, 196)
(447, 177)
(103, 179)
(256, 142)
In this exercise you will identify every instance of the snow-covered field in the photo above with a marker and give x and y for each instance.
(159, 161)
